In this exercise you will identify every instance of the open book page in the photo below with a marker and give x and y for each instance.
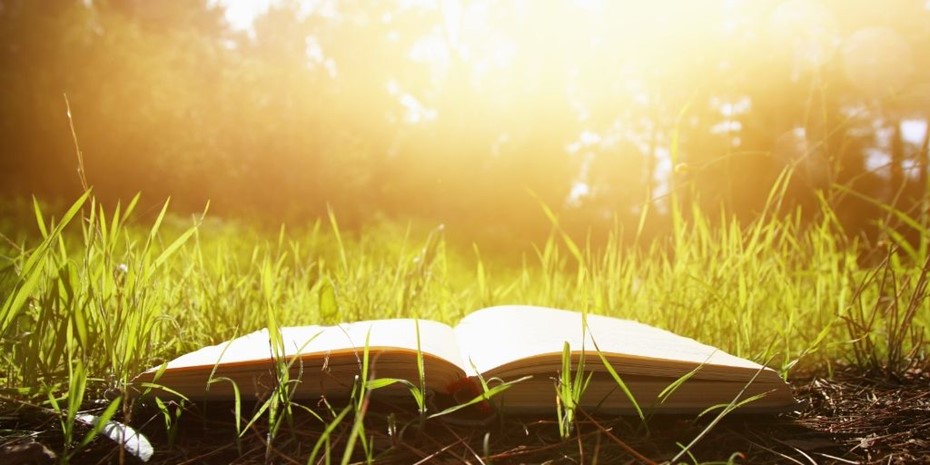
(324, 360)
(512, 339)
(436, 339)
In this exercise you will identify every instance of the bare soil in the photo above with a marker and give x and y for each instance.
(848, 419)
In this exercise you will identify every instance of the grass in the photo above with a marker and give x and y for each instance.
(92, 297)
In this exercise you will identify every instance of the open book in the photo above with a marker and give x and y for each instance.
(497, 344)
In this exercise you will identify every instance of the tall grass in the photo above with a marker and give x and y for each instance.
(94, 297)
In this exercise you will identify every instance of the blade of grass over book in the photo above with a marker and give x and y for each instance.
(502, 344)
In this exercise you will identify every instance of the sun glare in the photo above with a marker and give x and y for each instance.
(596, 106)
(242, 13)
(599, 63)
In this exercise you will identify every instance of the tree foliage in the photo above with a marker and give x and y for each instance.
(472, 112)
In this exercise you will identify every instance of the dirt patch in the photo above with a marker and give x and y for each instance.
(875, 421)
(847, 419)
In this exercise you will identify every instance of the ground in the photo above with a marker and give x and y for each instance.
(849, 419)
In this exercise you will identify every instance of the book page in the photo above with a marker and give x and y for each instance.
(436, 339)
(321, 361)
(494, 337)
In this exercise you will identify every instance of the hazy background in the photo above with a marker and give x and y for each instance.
(471, 113)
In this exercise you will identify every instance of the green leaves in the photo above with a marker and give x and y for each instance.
(570, 387)
(329, 308)
(622, 385)
(93, 302)
(34, 264)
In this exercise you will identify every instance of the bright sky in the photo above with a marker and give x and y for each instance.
(240, 13)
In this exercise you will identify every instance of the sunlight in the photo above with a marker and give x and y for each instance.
(603, 66)
(242, 13)
(753, 174)
(587, 103)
